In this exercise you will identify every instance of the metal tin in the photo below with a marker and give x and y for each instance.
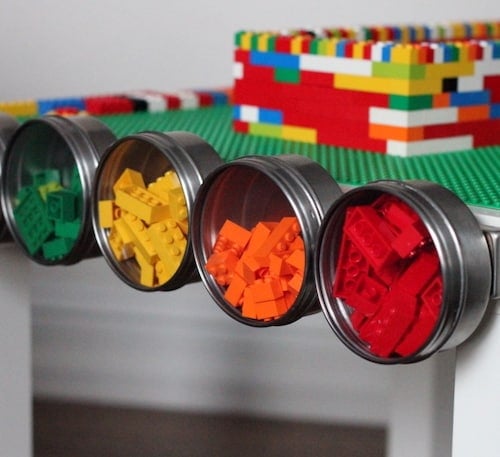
(8, 126)
(47, 155)
(153, 154)
(464, 259)
(263, 188)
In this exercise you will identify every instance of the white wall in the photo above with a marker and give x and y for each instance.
(94, 337)
(54, 48)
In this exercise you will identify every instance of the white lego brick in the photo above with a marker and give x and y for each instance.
(487, 67)
(434, 146)
(249, 113)
(438, 53)
(377, 51)
(470, 83)
(327, 64)
(189, 99)
(487, 50)
(238, 70)
(417, 118)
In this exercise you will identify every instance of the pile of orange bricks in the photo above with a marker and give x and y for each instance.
(261, 269)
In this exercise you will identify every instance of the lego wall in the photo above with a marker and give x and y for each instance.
(95, 338)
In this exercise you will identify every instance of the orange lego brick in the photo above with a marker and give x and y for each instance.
(252, 268)
(221, 266)
(271, 309)
(249, 307)
(280, 238)
(235, 234)
(297, 260)
(264, 290)
(295, 284)
(473, 113)
(389, 132)
(278, 266)
(441, 100)
(260, 233)
(234, 293)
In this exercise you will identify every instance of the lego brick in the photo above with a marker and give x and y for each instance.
(326, 64)
(429, 146)
(32, 222)
(57, 248)
(415, 118)
(275, 60)
(19, 108)
(129, 178)
(415, 102)
(398, 70)
(61, 205)
(473, 113)
(389, 132)
(387, 85)
(70, 230)
(143, 204)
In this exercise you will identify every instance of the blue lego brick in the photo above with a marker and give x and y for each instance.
(496, 49)
(274, 59)
(237, 112)
(470, 98)
(340, 48)
(47, 105)
(495, 111)
(386, 52)
(270, 116)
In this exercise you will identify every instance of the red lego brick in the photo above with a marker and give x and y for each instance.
(394, 302)
(372, 236)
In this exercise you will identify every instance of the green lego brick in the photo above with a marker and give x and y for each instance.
(61, 205)
(271, 43)
(398, 70)
(43, 177)
(473, 175)
(287, 75)
(57, 248)
(412, 102)
(268, 130)
(69, 230)
(32, 222)
(237, 38)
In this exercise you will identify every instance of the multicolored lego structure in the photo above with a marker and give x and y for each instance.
(395, 90)
(150, 101)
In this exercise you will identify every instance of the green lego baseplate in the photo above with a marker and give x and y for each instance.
(474, 175)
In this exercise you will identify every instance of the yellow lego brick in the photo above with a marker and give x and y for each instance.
(20, 108)
(449, 70)
(296, 45)
(262, 42)
(142, 203)
(357, 49)
(162, 273)
(129, 178)
(106, 213)
(139, 235)
(52, 186)
(164, 184)
(387, 85)
(304, 134)
(177, 205)
(246, 41)
(124, 233)
(120, 251)
(147, 270)
(404, 53)
(170, 244)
